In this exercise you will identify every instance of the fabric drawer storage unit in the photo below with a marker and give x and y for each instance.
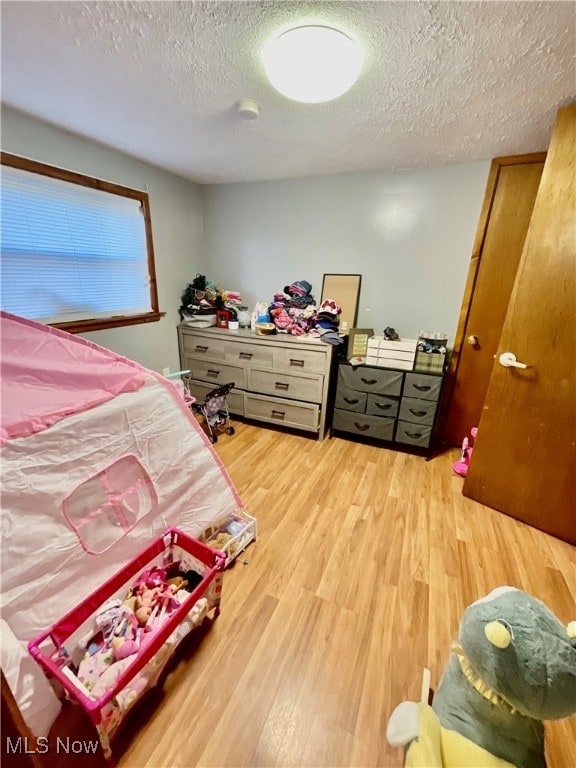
(393, 406)
(59, 649)
(279, 379)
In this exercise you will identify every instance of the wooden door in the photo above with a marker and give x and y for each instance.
(524, 459)
(508, 203)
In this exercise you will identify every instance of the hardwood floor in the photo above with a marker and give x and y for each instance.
(365, 562)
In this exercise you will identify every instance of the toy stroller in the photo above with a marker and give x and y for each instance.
(214, 411)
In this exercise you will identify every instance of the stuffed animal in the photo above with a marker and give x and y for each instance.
(513, 666)
(220, 541)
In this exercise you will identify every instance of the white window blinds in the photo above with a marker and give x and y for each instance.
(70, 252)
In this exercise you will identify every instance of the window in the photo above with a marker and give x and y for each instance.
(107, 505)
(76, 251)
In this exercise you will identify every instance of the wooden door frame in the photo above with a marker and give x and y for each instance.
(491, 186)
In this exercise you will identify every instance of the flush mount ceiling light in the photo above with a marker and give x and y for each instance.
(312, 63)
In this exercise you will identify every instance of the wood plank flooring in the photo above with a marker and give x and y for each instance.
(365, 562)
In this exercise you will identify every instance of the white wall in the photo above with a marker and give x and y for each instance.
(176, 213)
(409, 233)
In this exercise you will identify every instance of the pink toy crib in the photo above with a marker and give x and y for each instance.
(58, 649)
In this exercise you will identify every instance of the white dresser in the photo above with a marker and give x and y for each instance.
(278, 379)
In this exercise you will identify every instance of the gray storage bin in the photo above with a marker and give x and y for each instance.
(365, 426)
(417, 411)
(379, 405)
(350, 400)
(422, 386)
(413, 434)
(368, 379)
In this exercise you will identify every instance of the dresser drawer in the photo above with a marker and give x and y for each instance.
(199, 347)
(413, 434)
(364, 379)
(350, 400)
(380, 405)
(248, 354)
(300, 360)
(420, 385)
(279, 411)
(417, 411)
(363, 425)
(215, 373)
(235, 398)
(286, 385)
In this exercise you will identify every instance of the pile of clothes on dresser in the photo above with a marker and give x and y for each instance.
(295, 312)
(292, 311)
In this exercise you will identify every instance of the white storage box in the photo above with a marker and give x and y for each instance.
(391, 354)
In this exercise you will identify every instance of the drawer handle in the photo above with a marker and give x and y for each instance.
(414, 435)
(350, 401)
(422, 387)
(281, 385)
(369, 381)
(383, 406)
(214, 374)
(199, 348)
(245, 355)
(361, 427)
(296, 363)
(278, 414)
(417, 413)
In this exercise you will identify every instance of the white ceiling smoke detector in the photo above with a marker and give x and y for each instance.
(312, 63)
(248, 108)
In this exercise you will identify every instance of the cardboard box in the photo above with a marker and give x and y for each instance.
(402, 345)
(394, 354)
(358, 339)
(403, 365)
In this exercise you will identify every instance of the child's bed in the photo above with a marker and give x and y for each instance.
(99, 457)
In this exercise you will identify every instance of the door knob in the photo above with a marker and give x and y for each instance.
(508, 360)
(474, 341)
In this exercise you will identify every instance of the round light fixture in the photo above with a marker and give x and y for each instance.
(312, 63)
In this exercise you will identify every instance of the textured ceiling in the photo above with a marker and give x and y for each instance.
(444, 82)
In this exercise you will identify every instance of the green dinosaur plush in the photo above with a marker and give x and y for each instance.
(514, 666)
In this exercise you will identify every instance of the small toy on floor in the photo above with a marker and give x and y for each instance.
(461, 466)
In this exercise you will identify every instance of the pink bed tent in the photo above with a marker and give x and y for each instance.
(99, 457)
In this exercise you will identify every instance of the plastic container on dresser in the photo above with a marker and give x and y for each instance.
(279, 379)
(393, 406)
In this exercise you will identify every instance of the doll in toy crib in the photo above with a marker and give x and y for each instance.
(120, 629)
